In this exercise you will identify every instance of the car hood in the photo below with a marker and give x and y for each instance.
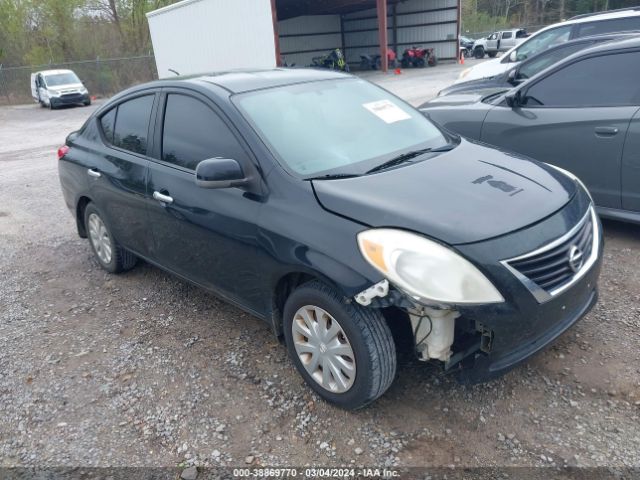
(68, 86)
(466, 195)
(462, 98)
(486, 69)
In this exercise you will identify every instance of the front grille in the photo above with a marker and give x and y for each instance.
(558, 264)
(71, 96)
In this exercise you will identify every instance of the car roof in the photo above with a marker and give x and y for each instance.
(54, 72)
(240, 81)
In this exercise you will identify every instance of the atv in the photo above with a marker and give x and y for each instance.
(374, 62)
(419, 57)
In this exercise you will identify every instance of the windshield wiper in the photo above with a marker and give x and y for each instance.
(333, 176)
(409, 155)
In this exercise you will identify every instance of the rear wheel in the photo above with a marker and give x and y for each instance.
(478, 52)
(345, 352)
(110, 255)
(492, 54)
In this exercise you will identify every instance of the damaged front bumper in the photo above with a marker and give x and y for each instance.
(480, 342)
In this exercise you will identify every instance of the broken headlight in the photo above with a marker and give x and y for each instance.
(425, 269)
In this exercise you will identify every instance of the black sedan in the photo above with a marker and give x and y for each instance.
(342, 217)
(531, 66)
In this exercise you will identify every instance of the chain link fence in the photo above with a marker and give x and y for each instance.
(102, 77)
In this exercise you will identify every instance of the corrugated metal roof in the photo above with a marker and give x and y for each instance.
(295, 8)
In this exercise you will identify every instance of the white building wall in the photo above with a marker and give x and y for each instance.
(303, 38)
(426, 23)
(199, 36)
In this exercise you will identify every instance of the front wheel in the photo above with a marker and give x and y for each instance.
(108, 252)
(478, 53)
(344, 352)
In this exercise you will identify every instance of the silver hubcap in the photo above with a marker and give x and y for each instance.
(100, 238)
(323, 348)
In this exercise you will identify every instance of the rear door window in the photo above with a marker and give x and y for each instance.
(132, 124)
(506, 35)
(193, 132)
(607, 80)
(609, 26)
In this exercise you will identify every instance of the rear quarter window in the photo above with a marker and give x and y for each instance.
(107, 123)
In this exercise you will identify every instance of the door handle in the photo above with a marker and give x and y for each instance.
(93, 172)
(606, 131)
(163, 198)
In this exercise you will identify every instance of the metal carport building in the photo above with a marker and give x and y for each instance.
(194, 36)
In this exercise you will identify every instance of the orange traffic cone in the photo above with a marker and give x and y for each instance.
(397, 71)
(461, 62)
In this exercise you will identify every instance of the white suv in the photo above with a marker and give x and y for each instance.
(580, 26)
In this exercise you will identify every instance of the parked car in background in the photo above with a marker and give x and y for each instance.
(299, 195)
(580, 26)
(54, 88)
(498, 42)
(531, 66)
(466, 46)
(582, 114)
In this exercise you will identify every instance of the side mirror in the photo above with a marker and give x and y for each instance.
(513, 57)
(513, 98)
(219, 173)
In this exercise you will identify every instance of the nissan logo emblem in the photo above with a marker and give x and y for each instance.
(576, 258)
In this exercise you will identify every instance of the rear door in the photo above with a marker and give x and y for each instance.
(206, 235)
(118, 169)
(506, 42)
(575, 117)
(631, 167)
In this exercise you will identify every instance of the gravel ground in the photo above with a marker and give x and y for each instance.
(143, 369)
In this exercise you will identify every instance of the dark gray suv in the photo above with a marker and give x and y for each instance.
(582, 114)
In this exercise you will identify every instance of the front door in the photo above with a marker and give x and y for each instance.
(631, 167)
(206, 235)
(576, 117)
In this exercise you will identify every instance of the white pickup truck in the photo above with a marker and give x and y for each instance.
(498, 42)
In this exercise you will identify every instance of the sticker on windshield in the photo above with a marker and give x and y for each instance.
(387, 111)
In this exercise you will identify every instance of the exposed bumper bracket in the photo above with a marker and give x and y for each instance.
(380, 289)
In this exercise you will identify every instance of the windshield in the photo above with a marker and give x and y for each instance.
(542, 41)
(58, 79)
(338, 126)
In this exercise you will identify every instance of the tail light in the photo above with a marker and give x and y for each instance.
(62, 151)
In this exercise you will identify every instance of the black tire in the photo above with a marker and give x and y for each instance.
(87, 103)
(478, 53)
(51, 106)
(419, 63)
(121, 259)
(368, 334)
(492, 54)
(405, 63)
(433, 61)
